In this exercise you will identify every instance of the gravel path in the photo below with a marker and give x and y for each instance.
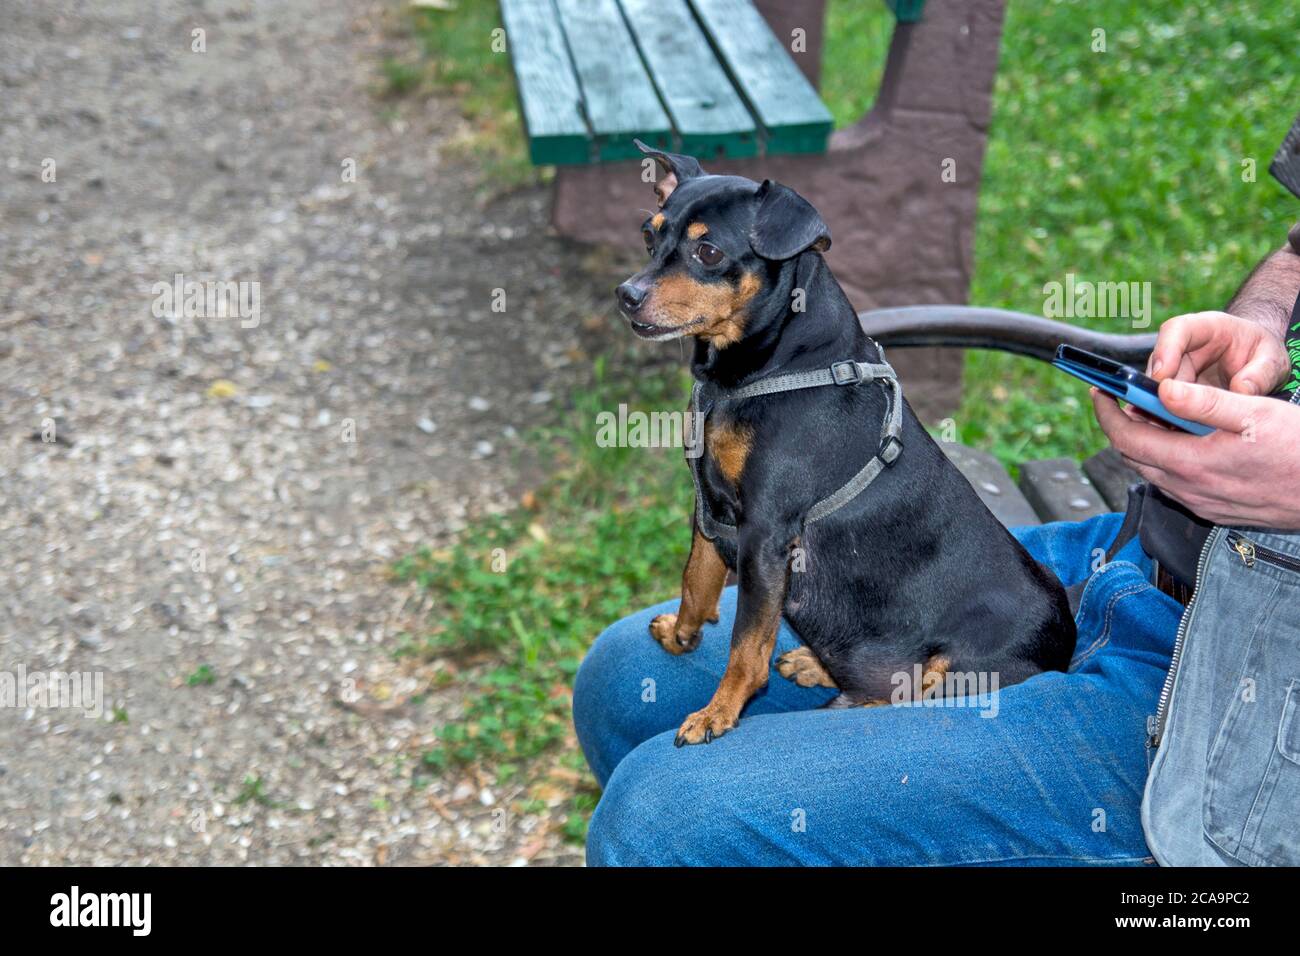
(202, 512)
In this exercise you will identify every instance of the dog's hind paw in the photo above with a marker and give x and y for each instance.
(664, 630)
(802, 666)
(844, 701)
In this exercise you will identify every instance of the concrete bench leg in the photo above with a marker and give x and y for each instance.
(902, 234)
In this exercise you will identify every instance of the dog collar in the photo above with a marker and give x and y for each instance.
(704, 396)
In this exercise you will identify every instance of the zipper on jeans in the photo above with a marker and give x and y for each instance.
(1156, 724)
(1250, 552)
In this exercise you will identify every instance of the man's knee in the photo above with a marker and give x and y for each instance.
(606, 694)
(647, 815)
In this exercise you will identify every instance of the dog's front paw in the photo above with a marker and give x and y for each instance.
(705, 725)
(664, 630)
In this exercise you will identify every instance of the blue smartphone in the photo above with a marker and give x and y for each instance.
(1124, 382)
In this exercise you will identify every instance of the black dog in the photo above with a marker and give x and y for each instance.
(909, 577)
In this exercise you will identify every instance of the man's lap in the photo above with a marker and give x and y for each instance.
(1055, 776)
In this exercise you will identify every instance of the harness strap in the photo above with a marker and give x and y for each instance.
(847, 372)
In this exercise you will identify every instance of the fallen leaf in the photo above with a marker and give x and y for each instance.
(535, 845)
(441, 809)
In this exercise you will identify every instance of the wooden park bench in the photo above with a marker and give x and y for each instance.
(704, 77)
(1057, 489)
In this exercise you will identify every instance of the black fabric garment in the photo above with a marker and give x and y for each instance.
(1285, 167)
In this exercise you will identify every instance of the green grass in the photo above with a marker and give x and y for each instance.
(459, 47)
(1115, 166)
(400, 78)
(201, 677)
(853, 59)
(253, 790)
(532, 587)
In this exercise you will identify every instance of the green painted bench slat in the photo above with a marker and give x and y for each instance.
(709, 116)
(620, 101)
(906, 11)
(549, 97)
(793, 118)
(706, 77)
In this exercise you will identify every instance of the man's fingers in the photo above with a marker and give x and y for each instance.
(1211, 406)
(1180, 336)
(1132, 412)
(1157, 476)
(1260, 375)
(1135, 440)
(1186, 370)
(1167, 455)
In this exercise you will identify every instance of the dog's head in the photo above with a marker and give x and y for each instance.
(717, 246)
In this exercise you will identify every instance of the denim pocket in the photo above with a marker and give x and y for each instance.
(1252, 784)
(1121, 612)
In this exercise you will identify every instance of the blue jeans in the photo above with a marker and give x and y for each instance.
(1051, 772)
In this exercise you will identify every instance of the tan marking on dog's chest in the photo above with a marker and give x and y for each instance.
(729, 445)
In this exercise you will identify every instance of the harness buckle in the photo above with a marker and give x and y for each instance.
(845, 373)
(890, 449)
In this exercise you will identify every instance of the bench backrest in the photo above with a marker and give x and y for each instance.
(705, 77)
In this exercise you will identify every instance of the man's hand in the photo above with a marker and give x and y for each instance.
(1245, 473)
(1215, 348)
(1217, 369)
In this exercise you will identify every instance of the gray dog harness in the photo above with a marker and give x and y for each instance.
(705, 396)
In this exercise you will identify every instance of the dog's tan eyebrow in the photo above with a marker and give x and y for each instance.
(696, 229)
(657, 220)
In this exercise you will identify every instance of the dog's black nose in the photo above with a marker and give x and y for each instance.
(629, 297)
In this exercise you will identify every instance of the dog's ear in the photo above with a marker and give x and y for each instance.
(786, 224)
(674, 168)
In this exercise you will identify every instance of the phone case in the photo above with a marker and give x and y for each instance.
(1138, 397)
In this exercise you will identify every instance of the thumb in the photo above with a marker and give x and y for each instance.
(1209, 405)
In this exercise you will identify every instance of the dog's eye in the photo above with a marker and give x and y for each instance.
(648, 235)
(708, 253)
